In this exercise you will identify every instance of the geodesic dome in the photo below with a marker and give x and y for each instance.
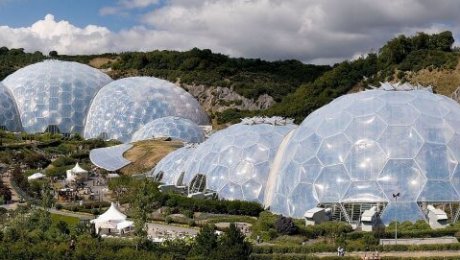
(54, 93)
(235, 161)
(171, 126)
(170, 169)
(367, 146)
(123, 106)
(9, 114)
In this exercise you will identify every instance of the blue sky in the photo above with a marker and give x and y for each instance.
(22, 13)
(313, 31)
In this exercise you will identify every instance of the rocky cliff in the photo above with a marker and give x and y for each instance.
(218, 99)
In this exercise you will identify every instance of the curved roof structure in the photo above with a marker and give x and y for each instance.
(367, 146)
(110, 158)
(236, 161)
(55, 93)
(123, 106)
(170, 169)
(9, 114)
(170, 126)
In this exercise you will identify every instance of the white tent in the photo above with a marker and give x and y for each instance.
(112, 221)
(36, 176)
(77, 173)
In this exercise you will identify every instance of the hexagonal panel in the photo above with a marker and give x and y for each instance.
(334, 124)
(332, 183)
(399, 114)
(365, 106)
(434, 129)
(309, 171)
(365, 160)
(401, 142)
(301, 199)
(438, 191)
(454, 146)
(364, 191)
(243, 172)
(455, 179)
(402, 211)
(252, 190)
(230, 156)
(306, 149)
(256, 153)
(403, 176)
(334, 149)
(436, 161)
(367, 127)
(427, 107)
(231, 191)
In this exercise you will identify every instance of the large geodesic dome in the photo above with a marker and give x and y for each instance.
(54, 94)
(171, 126)
(171, 169)
(9, 114)
(363, 148)
(235, 162)
(123, 106)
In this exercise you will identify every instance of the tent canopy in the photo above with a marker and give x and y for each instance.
(78, 169)
(113, 214)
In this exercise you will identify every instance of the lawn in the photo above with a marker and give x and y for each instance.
(71, 221)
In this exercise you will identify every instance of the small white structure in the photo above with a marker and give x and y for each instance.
(77, 174)
(316, 216)
(112, 221)
(437, 218)
(370, 219)
(36, 176)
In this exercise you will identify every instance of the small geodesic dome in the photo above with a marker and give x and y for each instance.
(125, 105)
(9, 115)
(171, 126)
(235, 162)
(170, 169)
(55, 94)
(362, 148)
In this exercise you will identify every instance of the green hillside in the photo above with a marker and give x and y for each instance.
(297, 88)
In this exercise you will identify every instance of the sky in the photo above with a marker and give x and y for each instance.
(312, 31)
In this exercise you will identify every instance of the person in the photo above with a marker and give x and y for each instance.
(258, 239)
(72, 244)
(339, 249)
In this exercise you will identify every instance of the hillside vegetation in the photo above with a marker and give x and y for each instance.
(297, 88)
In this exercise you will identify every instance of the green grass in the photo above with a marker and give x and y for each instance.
(71, 221)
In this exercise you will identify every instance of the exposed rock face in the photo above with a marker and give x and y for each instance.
(218, 99)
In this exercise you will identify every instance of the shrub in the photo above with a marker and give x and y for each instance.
(285, 226)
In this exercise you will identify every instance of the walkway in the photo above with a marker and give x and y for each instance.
(14, 195)
(447, 253)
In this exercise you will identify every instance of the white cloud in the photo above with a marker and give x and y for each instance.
(320, 31)
(123, 5)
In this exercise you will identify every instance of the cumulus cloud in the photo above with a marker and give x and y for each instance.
(318, 31)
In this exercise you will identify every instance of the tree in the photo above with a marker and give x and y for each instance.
(143, 206)
(233, 245)
(53, 54)
(285, 226)
(205, 243)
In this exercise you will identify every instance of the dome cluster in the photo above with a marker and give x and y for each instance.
(69, 97)
(54, 93)
(361, 149)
